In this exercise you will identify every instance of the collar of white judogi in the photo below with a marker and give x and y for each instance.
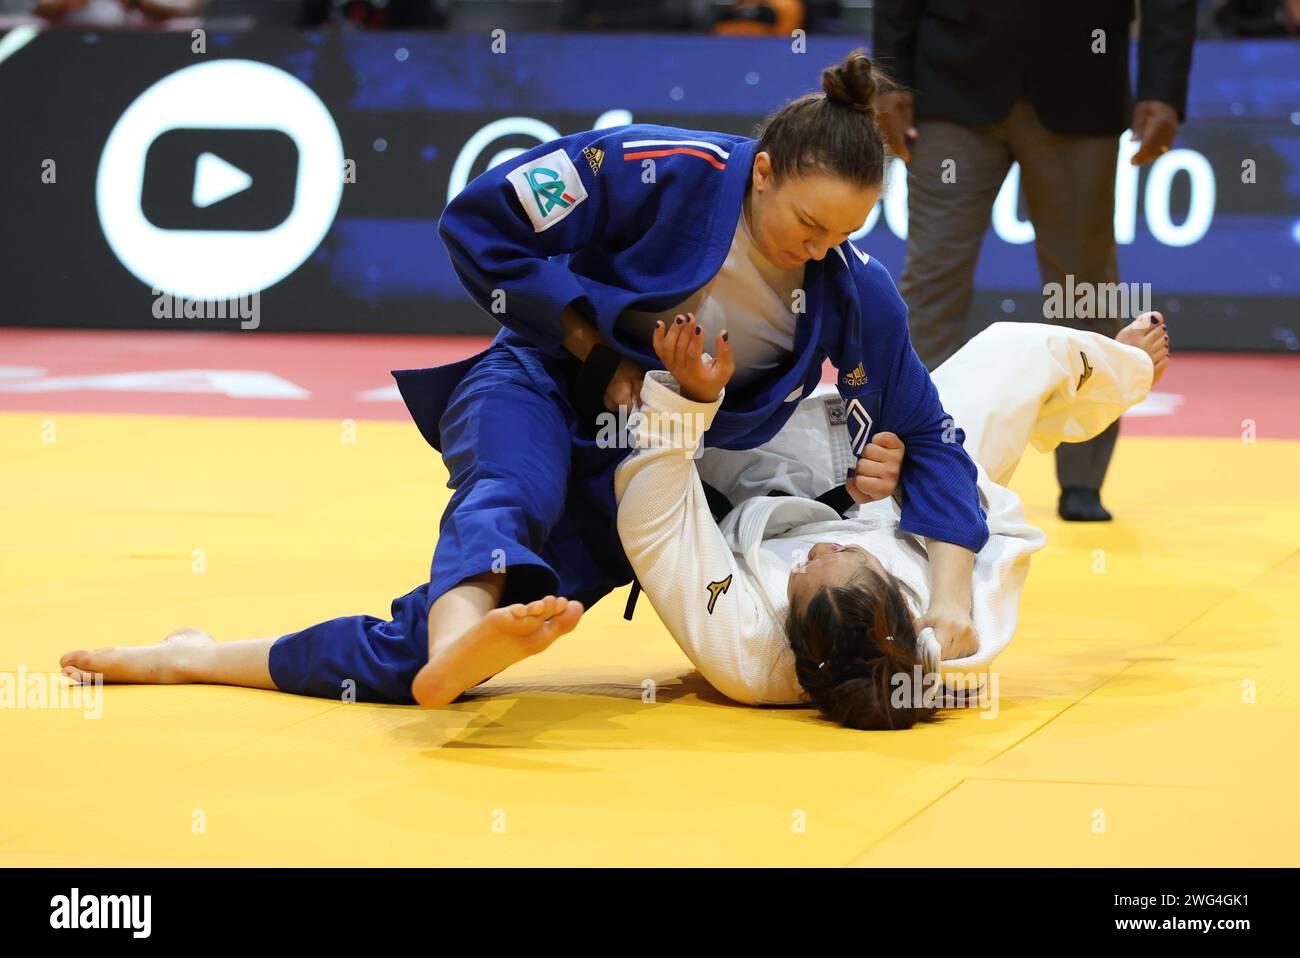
(765, 517)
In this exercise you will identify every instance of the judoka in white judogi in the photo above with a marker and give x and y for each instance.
(721, 589)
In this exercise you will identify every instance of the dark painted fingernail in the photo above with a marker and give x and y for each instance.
(850, 475)
(697, 330)
(678, 321)
(725, 336)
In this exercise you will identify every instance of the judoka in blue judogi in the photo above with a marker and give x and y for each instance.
(576, 222)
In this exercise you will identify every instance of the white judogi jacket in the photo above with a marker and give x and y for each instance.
(721, 590)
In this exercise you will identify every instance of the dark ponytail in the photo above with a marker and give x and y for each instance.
(833, 132)
(849, 642)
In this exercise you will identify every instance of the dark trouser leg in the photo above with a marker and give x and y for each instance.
(1069, 183)
(946, 224)
(507, 449)
(1083, 465)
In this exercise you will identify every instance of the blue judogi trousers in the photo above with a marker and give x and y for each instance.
(533, 497)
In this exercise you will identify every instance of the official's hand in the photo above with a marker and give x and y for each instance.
(625, 388)
(1155, 124)
(954, 630)
(680, 347)
(894, 113)
(876, 474)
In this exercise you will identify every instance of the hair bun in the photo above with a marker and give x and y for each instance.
(852, 82)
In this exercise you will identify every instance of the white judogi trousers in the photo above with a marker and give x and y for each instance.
(721, 590)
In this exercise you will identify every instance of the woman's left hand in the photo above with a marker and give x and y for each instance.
(954, 630)
(876, 475)
(680, 347)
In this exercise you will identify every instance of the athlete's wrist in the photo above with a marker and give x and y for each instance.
(699, 396)
(580, 335)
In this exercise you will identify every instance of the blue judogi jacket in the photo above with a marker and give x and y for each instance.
(640, 217)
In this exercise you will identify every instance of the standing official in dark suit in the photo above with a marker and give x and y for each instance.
(1045, 83)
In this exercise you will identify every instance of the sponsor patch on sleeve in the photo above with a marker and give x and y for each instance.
(548, 188)
(716, 589)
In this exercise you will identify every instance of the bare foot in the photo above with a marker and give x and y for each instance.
(166, 663)
(503, 637)
(1149, 334)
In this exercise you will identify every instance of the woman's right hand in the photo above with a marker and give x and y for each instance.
(680, 347)
(624, 388)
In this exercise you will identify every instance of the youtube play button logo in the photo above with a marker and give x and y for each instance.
(215, 179)
(219, 180)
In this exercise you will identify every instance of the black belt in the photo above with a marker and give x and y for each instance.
(837, 498)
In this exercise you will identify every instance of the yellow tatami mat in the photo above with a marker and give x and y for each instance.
(1148, 708)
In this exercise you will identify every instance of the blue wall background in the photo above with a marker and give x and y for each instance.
(406, 105)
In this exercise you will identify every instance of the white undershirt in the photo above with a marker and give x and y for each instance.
(748, 297)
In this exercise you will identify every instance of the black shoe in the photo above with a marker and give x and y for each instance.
(1082, 505)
